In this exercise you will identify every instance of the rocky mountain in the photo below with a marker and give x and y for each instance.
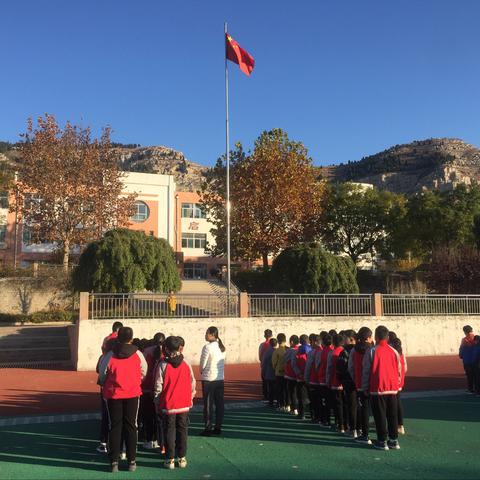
(157, 159)
(435, 163)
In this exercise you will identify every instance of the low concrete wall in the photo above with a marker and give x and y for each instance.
(428, 335)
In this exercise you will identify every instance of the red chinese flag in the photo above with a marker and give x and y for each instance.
(238, 55)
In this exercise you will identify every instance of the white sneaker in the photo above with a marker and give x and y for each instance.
(102, 448)
(287, 408)
(123, 455)
(401, 430)
(182, 462)
(169, 464)
(155, 444)
(149, 445)
(295, 412)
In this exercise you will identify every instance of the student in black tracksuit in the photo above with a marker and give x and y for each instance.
(350, 393)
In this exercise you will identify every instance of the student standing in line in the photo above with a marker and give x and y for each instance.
(467, 353)
(334, 383)
(120, 373)
(381, 380)
(299, 362)
(268, 372)
(113, 336)
(324, 392)
(311, 378)
(355, 368)
(397, 345)
(290, 376)
(174, 390)
(278, 363)
(262, 348)
(212, 364)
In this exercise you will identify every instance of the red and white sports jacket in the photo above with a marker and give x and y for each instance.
(175, 384)
(331, 376)
(382, 370)
(322, 365)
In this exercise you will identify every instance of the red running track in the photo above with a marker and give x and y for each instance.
(33, 392)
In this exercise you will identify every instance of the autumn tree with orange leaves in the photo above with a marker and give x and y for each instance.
(275, 194)
(69, 186)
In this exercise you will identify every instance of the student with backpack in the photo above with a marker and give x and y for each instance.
(121, 372)
(174, 390)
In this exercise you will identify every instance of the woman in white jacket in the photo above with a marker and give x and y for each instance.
(212, 362)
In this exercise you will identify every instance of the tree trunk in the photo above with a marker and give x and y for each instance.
(265, 261)
(66, 254)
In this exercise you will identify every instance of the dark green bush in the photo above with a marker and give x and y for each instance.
(253, 281)
(126, 261)
(40, 317)
(311, 269)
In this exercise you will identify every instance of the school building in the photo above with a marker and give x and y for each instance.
(160, 210)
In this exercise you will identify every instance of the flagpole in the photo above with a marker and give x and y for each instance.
(227, 155)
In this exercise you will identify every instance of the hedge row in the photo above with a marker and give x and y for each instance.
(40, 317)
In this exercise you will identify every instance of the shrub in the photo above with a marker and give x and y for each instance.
(253, 281)
(311, 269)
(67, 316)
(127, 261)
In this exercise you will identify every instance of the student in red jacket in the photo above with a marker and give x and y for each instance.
(290, 375)
(381, 380)
(334, 383)
(174, 393)
(262, 348)
(324, 392)
(355, 368)
(299, 362)
(397, 345)
(311, 376)
(120, 373)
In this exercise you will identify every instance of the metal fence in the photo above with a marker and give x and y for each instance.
(154, 305)
(431, 305)
(305, 305)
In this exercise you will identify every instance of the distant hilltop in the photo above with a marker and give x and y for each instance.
(436, 163)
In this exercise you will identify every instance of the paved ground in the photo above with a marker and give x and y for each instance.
(32, 391)
(203, 287)
(442, 442)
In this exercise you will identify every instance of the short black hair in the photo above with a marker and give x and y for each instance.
(322, 334)
(381, 332)
(392, 336)
(363, 334)
(338, 339)
(332, 332)
(182, 341)
(125, 335)
(294, 339)
(467, 329)
(273, 342)
(282, 338)
(327, 340)
(267, 333)
(350, 333)
(117, 326)
(312, 337)
(304, 339)
(173, 344)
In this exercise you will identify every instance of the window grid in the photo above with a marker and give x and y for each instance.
(142, 212)
(194, 240)
(192, 210)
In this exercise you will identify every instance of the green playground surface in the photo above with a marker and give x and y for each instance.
(442, 442)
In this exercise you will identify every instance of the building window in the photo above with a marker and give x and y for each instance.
(3, 233)
(194, 240)
(192, 210)
(26, 235)
(142, 212)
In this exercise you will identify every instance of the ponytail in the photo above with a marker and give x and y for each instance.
(214, 331)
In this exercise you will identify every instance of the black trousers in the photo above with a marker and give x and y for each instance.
(292, 393)
(281, 391)
(469, 372)
(264, 388)
(149, 417)
(315, 402)
(213, 400)
(175, 428)
(351, 409)
(122, 415)
(104, 420)
(363, 413)
(324, 405)
(270, 391)
(302, 398)
(338, 406)
(476, 371)
(399, 410)
(385, 413)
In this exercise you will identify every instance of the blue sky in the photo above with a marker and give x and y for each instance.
(348, 78)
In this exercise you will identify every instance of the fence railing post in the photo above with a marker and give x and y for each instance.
(377, 305)
(243, 304)
(83, 310)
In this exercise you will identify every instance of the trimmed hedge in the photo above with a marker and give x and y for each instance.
(40, 317)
